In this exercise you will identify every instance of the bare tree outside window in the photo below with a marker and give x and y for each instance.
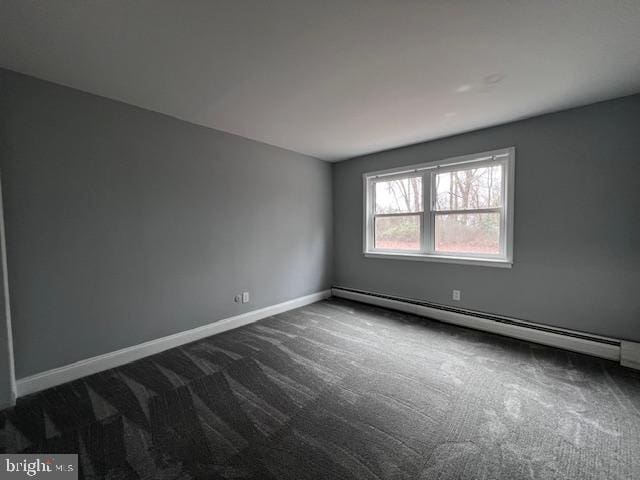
(475, 190)
(402, 204)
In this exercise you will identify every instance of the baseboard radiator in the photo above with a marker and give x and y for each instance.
(595, 345)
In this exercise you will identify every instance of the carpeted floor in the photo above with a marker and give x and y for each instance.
(340, 390)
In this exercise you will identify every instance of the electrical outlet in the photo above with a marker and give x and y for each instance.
(456, 295)
(245, 297)
(237, 298)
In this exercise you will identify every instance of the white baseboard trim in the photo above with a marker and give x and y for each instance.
(630, 354)
(581, 345)
(89, 366)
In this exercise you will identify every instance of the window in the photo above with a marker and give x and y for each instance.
(456, 210)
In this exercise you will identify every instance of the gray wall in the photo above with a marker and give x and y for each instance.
(124, 225)
(7, 380)
(577, 223)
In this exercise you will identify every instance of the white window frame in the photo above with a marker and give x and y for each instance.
(428, 171)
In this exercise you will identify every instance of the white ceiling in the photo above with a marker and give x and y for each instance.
(332, 78)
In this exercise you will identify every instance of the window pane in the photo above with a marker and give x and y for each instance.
(468, 233)
(470, 188)
(399, 196)
(397, 233)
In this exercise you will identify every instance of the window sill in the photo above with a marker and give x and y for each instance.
(484, 262)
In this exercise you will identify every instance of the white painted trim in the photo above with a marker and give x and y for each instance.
(427, 171)
(7, 308)
(581, 345)
(420, 257)
(478, 158)
(89, 366)
(630, 354)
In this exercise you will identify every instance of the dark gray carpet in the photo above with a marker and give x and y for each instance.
(342, 390)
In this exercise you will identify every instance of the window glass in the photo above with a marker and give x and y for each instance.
(397, 232)
(476, 233)
(399, 196)
(469, 188)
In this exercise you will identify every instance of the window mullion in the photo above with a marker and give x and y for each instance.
(371, 216)
(503, 210)
(401, 214)
(469, 210)
(426, 212)
(432, 209)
